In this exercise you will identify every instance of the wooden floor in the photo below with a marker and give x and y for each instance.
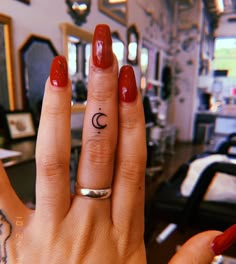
(161, 253)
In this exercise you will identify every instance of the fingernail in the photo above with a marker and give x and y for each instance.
(224, 241)
(102, 47)
(127, 84)
(59, 72)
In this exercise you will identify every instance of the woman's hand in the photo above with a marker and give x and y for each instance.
(82, 228)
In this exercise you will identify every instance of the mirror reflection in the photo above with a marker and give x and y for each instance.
(77, 48)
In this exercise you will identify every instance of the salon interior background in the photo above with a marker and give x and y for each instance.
(163, 26)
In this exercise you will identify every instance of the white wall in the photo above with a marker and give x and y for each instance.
(225, 28)
(183, 105)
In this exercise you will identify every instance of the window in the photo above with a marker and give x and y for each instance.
(225, 56)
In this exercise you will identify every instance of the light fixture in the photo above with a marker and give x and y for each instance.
(79, 10)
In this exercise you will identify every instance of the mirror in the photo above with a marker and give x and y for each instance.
(132, 45)
(118, 48)
(115, 9)
(7, 99)
(77, 48)
(36, 55)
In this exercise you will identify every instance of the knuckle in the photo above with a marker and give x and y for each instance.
(102, 95)
(132, 171)
(99, 151)
(102, 90)
(55, 111)
(129, 122)
(51, 166)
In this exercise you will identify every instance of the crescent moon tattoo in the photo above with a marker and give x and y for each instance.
(95, 120)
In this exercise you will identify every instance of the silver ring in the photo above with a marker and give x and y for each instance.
(95, 193)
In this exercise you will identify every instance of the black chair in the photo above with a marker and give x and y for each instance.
(225, 146)
(170, 204)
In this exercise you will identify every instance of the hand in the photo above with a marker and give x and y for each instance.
(80, 229)
(84, 230)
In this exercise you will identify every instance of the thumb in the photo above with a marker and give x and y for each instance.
(196, 250)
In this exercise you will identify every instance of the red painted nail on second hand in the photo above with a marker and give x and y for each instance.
(224, 241)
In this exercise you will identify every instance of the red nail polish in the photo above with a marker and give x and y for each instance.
(127, 84)
(102, 47)
(59, 72)
(224, 241)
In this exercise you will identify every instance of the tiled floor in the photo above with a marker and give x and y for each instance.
(161, 253)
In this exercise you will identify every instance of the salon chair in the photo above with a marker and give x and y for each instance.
(171, 205)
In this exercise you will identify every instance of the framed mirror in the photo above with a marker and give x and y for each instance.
(118, 48)
(7, 99)
(115, 9)
(36, 55)
(132, 45)
(77, 49)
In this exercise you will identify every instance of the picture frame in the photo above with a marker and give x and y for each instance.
(20, 125)
(116, 11)
(27, 2)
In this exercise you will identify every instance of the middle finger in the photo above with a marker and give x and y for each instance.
(95, 169)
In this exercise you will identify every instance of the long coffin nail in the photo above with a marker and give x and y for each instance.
(224, 241)
(102, 47)
(127, 84)
(59, 72)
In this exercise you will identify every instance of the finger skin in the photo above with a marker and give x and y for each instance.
(53, 153)
(196, 250)
(128, 187)
(99, 145)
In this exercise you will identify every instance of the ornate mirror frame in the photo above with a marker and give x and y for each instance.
(116, 11)
(132, 45)
(36, 55)
(6, 64)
